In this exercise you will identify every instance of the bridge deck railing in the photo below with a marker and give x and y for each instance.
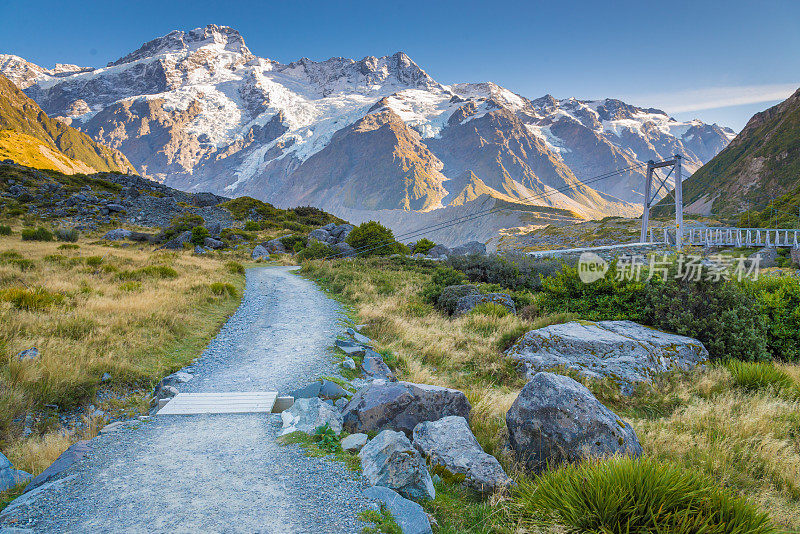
(729, 236)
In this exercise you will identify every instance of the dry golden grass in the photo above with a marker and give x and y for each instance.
(748, 442)
(133, 312)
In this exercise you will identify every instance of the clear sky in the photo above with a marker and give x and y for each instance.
(718, 61)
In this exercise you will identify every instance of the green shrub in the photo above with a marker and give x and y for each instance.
(779, 301)
(757, 376)
(222, 289)
(234, 267)
(151, 271)
(374, 239)
(442, 277)
(515, 272)
(67, 234)
(36, 299)
(39, 234)
(624, 495)
(131, 285)
(252, 226)
(68, 246)
(294, 243)
(23, 264)
(326, 438)
(94, 261)
(316, 251)
(449, 295)
(5, 229)
(199, 235)
(423, 246)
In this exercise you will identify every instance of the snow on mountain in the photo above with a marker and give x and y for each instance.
(199, 111)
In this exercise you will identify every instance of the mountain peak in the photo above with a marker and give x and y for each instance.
(223, 37)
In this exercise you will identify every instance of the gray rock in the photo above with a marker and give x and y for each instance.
(260, 252)
(10, 477)
(106, 377)
(374, 366)
(467, 303)
(216, 244)
(349, 363)
(343, 249)
(622, 350)
(795, 255)
(555, 420)
(473, 247)
(332, 390)
(409, 516)
(449, 444)
(390, 461)
(177, 242)
(199, 250)
(214, 228)
(768, 255)
(28, 354)
(438, 251)
(70, 456)
(359, 338)
(275, 246)
(5, 463)
(341, 232)
(448, 298)
(165, 392)
(351, 348)
(341, 403)
(354, 442)
(401, 406)
(306, 415)
(114, 208)
(117, 234)
(205, 199)
(319, 234)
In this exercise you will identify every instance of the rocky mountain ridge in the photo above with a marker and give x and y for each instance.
(198, 111)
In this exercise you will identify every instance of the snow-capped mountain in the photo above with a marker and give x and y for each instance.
(197, 110)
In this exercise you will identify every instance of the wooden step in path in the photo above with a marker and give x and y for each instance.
(229, 402)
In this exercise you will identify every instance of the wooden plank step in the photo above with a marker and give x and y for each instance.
(231, 402)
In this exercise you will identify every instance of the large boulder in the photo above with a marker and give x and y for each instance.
(466, 303)
(117, 234)
(451, 447)
(10, 477)
(473, 247)
(340, 233)
(795, 255)
(177, 242)
(275, 246)
(767, 257)
(621, 350)
(216, 244)
(260, 252)
(409, 516)
(438, 251)
(69, 457)
(448, 298)
(390, 461)
(374, 366)
(556, 419)
(319, 234)
(306, 415)
(401, 406)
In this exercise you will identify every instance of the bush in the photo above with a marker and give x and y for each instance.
(316, 251)
(423, 246)
(442, 278)
(39, 234)
(94, 261)
(758, 376)
(294, 243)
(449, 295)
(222, 289)
(5, 229)
(779, 302)
(252, 226)
(68, 247)
(67, 234)
(374, 239)
(199, 235)
(516, 272)
(234, 267)
(625, 495)
(31, 299)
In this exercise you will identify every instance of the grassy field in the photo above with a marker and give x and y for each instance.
(91, 308)
(744, 434)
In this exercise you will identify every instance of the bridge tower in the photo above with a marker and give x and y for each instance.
(649, 197)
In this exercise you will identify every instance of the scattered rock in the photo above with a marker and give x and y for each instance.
(622, 350)
(275, 246)
(359, 338)
(214, 228)
(409, 516)
(215, 244)
(374, 366)
(769, 257)
(349, 363)
(115, 208)
(438, 251)
(28, 354)
(176, 243)
(450, 445)
(354, 442)
(389, 460)
(341, 403)
(10, 477)
(320, 388)
(467, 303)
(73, 454)
(555, 420)
(106, 377)
(351, 348)
(795, 255)
(199, 250)
(117, 234)
(473, 247)
(401, 406)
(306, 415)
(260, 252)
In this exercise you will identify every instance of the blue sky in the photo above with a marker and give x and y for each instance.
(718, 61)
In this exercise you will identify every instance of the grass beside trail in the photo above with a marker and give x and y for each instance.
(92, 308)
(737, 429)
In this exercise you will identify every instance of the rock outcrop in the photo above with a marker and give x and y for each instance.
(466, 303)
(621, 350)
(556, 419)
(306, 415)
(390, 461)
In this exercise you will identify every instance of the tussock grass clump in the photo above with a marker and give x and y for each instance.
(234, 267)
(37, 234)
(151, 271)
(67, 234)
(624, 495)
(5, 229)
(94, 261)
(36, 299)
(221, 288)
(756, 376)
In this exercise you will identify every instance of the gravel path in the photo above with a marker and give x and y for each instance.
(219, 473)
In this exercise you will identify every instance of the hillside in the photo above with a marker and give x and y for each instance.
(362, 139)
(30, 137)
(761, 164)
